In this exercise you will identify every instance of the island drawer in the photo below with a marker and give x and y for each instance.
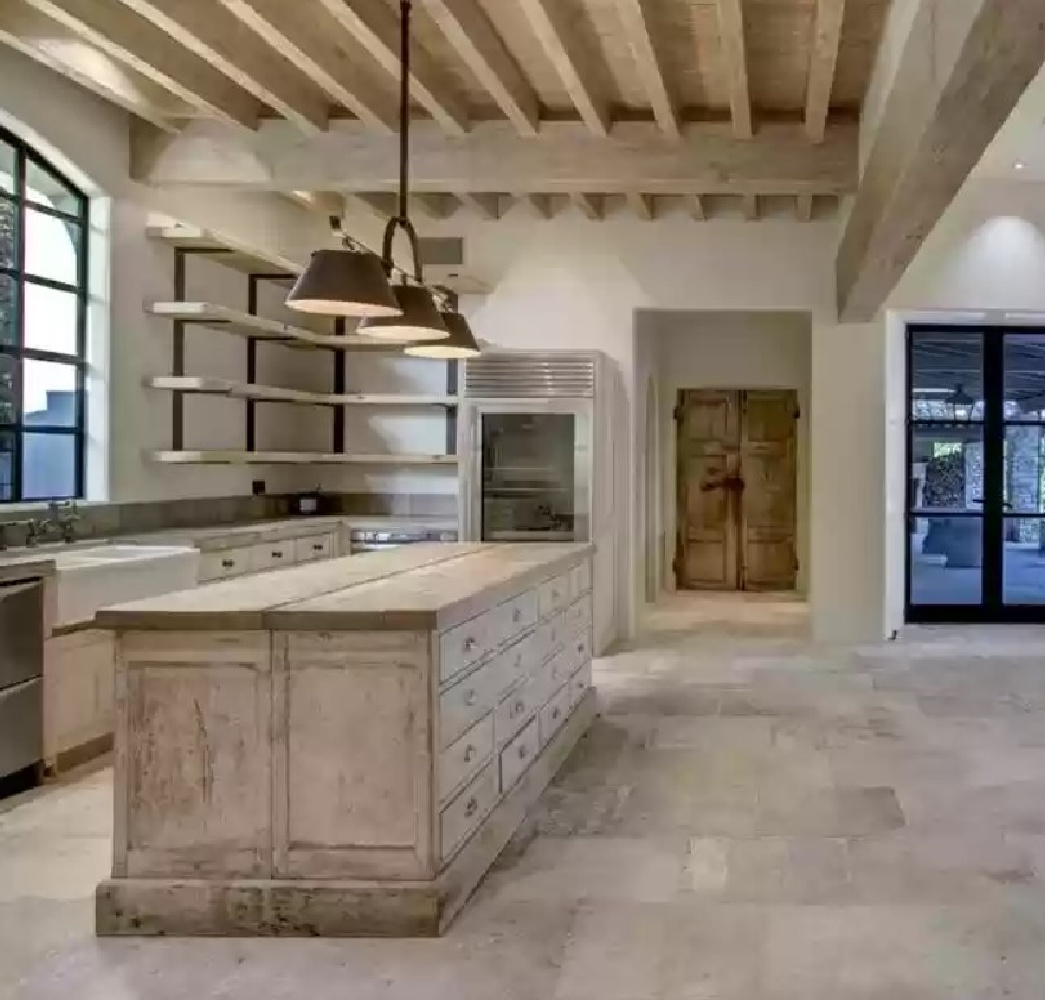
(550, 636)
(554, 595)
(468, 809)
(556, 712)
(271, 556)
(518, 614)
(461, 706)
(459, 762)
(223, 565)
(518, 662)
(555, 673)
(579, 684)
(467, 643)
(580, 579)
(578, 615)
(513, 712)
(313, 548)
(519, 754)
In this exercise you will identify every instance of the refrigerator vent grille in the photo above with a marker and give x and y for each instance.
(530, 376)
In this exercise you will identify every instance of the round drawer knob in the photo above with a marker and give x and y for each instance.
(555, 714)
(523, 751)
(470, 643)
(227, 563)
(471, 807)
(518, 708)
(469, 754)
(517, 616)
(471, 697)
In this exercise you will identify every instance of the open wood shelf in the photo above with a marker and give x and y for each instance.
(295, 458)
(226, 251)
(244, 324)
(206, 385)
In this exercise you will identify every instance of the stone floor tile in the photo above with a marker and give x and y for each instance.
(837, 812)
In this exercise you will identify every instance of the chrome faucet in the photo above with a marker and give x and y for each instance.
(64, 517)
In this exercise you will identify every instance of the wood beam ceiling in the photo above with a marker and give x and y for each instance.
(827, 36)
(804, 208)
(749, 207)
(210, 32)
(539, 204)
(952, 92)
(648, 65)
(591, 206)
(695, 206)
(110, 27)
(61, 49)
(734, 59)
(642, 205)
(481, 49)
(571, 60)
(315, 50)
(565, 158)
(486, 206)
(376, 27)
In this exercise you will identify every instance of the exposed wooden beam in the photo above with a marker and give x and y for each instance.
(209, 31)
(642, 205)
(376, 27)
(325, 203)
(124, 35)
(636, 30)
(804, 207)
(749, 207)
(436, 206)
(695, 206)
(571, 60)
(734, 62)
(486, 206)
(589, 205)
(475, 40)
(381, 206)
(953, 91)
(827, 35)
(61, 50)
(566, 157)
(311, 43)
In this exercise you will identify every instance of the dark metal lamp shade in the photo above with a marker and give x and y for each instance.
(460, 344)
(344, 283)
(420, 320)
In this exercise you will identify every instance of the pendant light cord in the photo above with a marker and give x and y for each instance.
(401, 220)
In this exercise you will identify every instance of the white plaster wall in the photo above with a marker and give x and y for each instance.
(734, 350)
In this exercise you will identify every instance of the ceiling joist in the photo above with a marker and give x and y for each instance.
(648, 65)
(473, 37)
(565, 158)
(571, 60)
(591, 206)
(375, 26)
(311, 44)
(734, 60)
(642, 205)
(122, 34)
(804, 208)
(827, 36)
(695, 206)
(486, 206)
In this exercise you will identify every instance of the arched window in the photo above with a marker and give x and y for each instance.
(43, 343)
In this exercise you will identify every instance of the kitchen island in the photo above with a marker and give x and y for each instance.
(342, 748)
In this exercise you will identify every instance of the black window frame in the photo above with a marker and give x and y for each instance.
(24, 155)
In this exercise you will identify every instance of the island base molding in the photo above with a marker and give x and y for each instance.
(327, 907)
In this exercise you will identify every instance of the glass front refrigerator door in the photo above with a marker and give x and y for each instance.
(533, 476)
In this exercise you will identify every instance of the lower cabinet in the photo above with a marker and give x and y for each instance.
(79, 674)
(259, 558)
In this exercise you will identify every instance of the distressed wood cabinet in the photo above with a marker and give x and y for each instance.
(345, 756)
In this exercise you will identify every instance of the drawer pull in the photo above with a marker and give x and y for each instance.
(471, 698)
(471, 808)
(318, 547)
(524, 751)
(276, 554)
(518, 708)
(555, 596)
(555, 714)
(580, 647)
(228, 563)
(470, 643)
(469, 753)
(518, 661)
(517, 616)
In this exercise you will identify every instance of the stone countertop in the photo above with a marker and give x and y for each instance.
(220, 538)
(25, 566)
(425, 586)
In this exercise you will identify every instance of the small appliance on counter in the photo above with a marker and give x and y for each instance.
(379, 540)
(312, 502)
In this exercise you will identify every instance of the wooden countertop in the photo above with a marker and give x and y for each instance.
(426, 586)
(25, 566)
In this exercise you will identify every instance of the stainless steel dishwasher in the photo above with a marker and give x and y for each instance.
(21, 675)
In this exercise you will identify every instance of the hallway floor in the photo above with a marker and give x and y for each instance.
(750, 819)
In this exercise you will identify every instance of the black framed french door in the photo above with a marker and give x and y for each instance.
(976, 470)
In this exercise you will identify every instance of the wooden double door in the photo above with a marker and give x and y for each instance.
(737, 496)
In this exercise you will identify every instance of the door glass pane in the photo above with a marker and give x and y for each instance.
(946, 560)
(8, 165)
(1024, 449)
(7, 465)
(45, 188)
(49, 390)
(52, 247)
(1024, 561)
(1025, 376)
(528, 477)
(947, 469)
(8, 233)
(50, 318)
(8, 310)
(8, 389)
(48, 466)
(947, 376)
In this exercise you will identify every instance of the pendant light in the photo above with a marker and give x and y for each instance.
(419, 319)
(348, 282)
(460, 344)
